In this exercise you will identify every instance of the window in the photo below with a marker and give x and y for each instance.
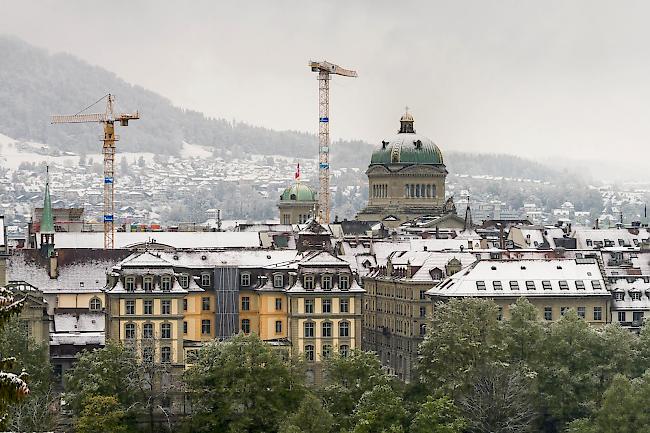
(205, 280)
(129, 284)
(496, 285)
(165, 355)
(480, 285)
(619, 296)
(130, 306)
(343, 350)
(423, 329)
(563, 310)
(147, 284)
(636, 296)
(344, 282)
(184, 304)
(581, 312)
(147, 354)
(326, 282)
(278, 326)
(580, 285)
(530, 285)
(500, 314)
(564, 285)
(514, 285)
(327, 305)
(546, 285)
(309, 306)
(246, 326)
(166, 330)
(327, 329)
(344, 306)
(598, 313)
(423, 311)
(423, 295)
(278, 304)
(166, 284)
(245, 279)
(548, 313)
(621, 316)
(309, 329)
(95, 304)
(278, 281)
(184, 327)
(637, 316)
(148, 306)
(344, 329)
(309, 352)
(595, 284)
(205, 303)
(129, 331)
(308, 282)
(147, 330)
(165, 306)
(327, 350)
(184, 280)
(206, 326)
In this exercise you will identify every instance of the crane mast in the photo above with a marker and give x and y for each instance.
(108, 119)
(325, 69)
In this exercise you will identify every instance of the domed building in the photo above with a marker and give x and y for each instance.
(406, 179)
(297, 204)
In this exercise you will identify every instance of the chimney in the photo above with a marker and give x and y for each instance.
(54, 265)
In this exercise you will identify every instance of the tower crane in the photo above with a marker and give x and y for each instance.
(325, 69)
(108, 119)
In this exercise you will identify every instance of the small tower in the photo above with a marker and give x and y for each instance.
(298, 203)
(47, 221)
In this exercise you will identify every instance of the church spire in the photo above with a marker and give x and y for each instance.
(47, 220)
(468, 217)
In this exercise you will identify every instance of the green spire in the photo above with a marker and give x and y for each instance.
(47, 221)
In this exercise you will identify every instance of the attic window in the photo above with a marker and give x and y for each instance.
(418, 144)
(81, 283)
(530, 285)
(175, 256)
(559, 266)
(480, 285)
(546, 285)
(204, 257)
(497, 285)
(514, 285)
(292, 197)
(523, 268)
(580, 285)
(564, 285)
(494, 268)
(596, 285)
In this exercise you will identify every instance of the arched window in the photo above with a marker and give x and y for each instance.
(147, 330)
(327, 350)
(309, 329)
(309, 352)
(165, 355)
(95, 304)
(412, 191)
(327, 329)
(407, 191)
(417, 190)
(166, 330)
(423, 329)
(433, 190)
(246, 326)
(344, 328)
(129, 331)
(343, 350)
(428, 191)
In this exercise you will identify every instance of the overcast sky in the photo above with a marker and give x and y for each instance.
(533, 78)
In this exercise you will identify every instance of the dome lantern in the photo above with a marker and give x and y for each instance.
(406, 123)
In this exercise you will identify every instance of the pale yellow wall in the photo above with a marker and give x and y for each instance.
(195, 315)
(78, 300)
(268, 315)
(557, 303)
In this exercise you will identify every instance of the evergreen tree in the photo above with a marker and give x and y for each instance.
(13, 387)
(101, 414)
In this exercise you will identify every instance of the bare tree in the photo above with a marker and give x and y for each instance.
(500, 400)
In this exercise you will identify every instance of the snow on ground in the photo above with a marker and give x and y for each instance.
(195, 151)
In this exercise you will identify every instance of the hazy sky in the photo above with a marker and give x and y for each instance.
(533, 78)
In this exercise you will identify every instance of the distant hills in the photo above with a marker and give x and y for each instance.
(35, 84)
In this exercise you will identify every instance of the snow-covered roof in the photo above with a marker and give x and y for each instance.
(172, 239)
(528, 278)
(625, 287)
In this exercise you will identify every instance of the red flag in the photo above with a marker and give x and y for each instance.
(297, 175)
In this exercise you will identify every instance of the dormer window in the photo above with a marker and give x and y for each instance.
(129, 284)
(147, 284)
(95, 304)
(278, 281)
(326, 282)
(184, 280)
(205, 279)
(245, 279)
(166, 284)
(344, 282)
(308, 282)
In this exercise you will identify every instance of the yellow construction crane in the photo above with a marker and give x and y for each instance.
(324, 70)
(108, 119)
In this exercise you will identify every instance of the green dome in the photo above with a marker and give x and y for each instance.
(298, 192)
(407, 147)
